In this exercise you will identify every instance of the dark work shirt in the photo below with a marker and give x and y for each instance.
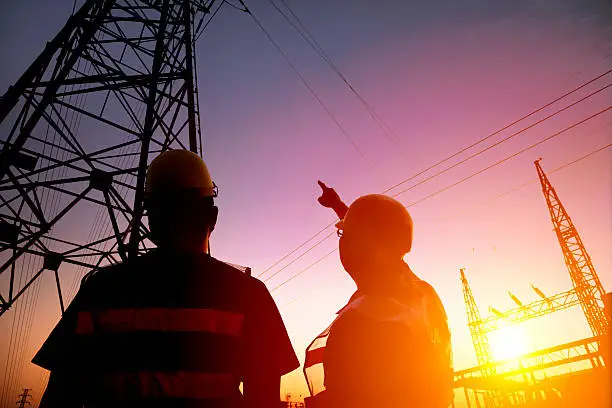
(169, 313)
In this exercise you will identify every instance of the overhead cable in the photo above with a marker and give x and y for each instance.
(478, 153)
(306, 84)
(565, 95)
(295, 250)
(495, 164)
(535, 180)
(314, 44)
(490, 135)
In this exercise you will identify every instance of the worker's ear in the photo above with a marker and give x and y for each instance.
(213, 213)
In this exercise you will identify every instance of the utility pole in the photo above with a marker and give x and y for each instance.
(24, 398)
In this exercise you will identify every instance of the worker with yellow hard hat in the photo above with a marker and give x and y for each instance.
(174, 327)
(390, 345)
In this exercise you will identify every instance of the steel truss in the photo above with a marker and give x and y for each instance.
(582, 272)
(114, 88)
(477, 328)
(516, 382)
(538, 308)
(503, 383)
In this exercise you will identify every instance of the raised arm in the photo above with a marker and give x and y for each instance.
(330, 199)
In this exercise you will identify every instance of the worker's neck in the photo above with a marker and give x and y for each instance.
(187, 248)
(384, 277)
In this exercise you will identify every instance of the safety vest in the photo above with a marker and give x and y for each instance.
(416, 315)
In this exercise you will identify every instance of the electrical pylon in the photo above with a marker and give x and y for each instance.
(477, 329)
(586, 283)
(114, 88)
(24, 398)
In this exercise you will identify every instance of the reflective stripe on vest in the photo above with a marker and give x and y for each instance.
(189, 385)
(159, 319)
(313, 363)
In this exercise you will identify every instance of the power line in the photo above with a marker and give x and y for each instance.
(532, 181)
(295, 260)
(199, 31)
(316, 46)
(520, 131)
(536, 180)
(601, 112)
(303, 270)
(495, 164)
(306, 83)
(565, 95)
(509, 125)
(295, 249)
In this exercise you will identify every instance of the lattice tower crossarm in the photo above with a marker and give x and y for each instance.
(588, 287)
(475, 323)
(114, 88)
(538, 308)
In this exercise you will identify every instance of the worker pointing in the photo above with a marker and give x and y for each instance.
(390, 345)
(174, 327)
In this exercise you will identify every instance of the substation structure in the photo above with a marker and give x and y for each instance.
(575, 374)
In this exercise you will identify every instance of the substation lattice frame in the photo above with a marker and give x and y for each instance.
(587, 292)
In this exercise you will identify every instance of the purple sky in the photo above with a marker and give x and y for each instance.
(442, 75)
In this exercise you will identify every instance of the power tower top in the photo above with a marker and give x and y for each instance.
(584, 278)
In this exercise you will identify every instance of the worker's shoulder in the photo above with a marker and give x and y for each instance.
(238, 276)
(199, 270)
(426, 288)
(431, 297)
(101, 274)
(120, 271)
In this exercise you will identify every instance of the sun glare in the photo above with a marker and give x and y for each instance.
(508, 342)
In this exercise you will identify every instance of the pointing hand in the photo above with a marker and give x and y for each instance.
(329, 198)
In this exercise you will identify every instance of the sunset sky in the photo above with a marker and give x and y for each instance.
(442, 76)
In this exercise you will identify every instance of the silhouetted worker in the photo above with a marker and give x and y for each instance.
(390, 345)
(174, 327)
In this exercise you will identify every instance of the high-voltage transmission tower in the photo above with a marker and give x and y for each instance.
(587, 289)
(476, 326)
(114, 88)
(587, 286)
(24, 400)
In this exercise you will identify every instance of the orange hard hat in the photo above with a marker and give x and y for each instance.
(381, 219)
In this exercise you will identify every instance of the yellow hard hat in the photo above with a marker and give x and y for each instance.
(175, 170)
(381, 219)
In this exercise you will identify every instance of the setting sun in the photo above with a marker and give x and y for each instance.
(508, 342)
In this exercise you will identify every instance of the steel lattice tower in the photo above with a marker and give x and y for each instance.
(116, 86)
(477, 329)
(584, 278)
